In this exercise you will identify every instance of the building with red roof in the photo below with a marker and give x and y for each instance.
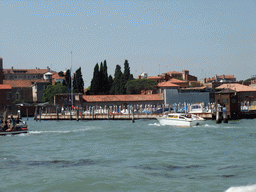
(220, 79)
(25, 74)
(244, 92)
(172, 75)
(58, 77)
(5, 97)
(28, 90)
(109, 100)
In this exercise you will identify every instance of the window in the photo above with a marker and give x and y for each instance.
(8, 95)
(225, 100)
(17, 96)
(233, 100)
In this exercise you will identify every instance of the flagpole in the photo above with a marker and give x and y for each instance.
(71, 81)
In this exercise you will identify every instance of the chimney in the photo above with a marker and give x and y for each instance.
(12, 69)
(48, 69)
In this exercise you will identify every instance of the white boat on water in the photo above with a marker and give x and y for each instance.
(181, 119)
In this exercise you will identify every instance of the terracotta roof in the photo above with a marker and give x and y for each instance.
(177, 81)
(173, 72)
(195, 88)
(220, 77)
(236, 87)
(22, 83)
(26, 71)
(4, 86)
(126, 98)
(56, 76)
(167, 84)
(227, 76)
(154, 77)
(227, 91)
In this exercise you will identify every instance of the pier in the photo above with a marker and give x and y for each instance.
(96, 117)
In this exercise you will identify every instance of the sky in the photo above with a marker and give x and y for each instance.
(205, 37)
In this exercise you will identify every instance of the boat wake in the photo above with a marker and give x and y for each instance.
(250, 188)
(155, 124)
(66, 131)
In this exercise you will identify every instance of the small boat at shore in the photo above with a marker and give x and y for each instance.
(20, 128)
(181, 119)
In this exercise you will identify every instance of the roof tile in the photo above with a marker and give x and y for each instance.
(126, 98)
(236, 87)
(4, 86)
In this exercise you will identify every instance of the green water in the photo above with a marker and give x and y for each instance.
(126, 156)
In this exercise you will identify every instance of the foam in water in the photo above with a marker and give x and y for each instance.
(251, 188)
(76, 130)
(155, 124)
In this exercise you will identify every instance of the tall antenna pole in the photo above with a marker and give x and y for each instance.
(71, 81)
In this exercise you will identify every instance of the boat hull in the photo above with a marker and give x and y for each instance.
(180, 122)
(12, 132)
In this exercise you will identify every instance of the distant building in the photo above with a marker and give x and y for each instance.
(245, 93)
(27, 84)
(169, 75)
(25, 74)
(58, 77)
(5, 97)
(220, 79)
(28, 90)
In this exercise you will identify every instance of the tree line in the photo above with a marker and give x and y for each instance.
(65, 87)
(101, 83)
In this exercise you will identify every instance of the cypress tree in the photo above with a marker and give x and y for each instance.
(101, 80)
(126, 70)
(110, 84)
(78, 82)
(117, 88)
(106, 85)
(95, 82)
(67, 80)
(127, 75)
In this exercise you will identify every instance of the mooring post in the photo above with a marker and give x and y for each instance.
(40, 112)
(120, 109)
(93, 113)
(218, 117)
(225, 117)
(70, 113)
(35, 118)
(132, 114)
(81, 113)
(107, 111)
(77, 114)
(57, 112)
(27, 113)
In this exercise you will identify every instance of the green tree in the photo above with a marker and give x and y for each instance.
(117, 87)
(110, 84)
(67, 80)
(136, 86)
(51, 90)
(127, 75)
(78, 82)
(95, 82)
(106, 84)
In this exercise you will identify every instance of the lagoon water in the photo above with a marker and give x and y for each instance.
(126, 156)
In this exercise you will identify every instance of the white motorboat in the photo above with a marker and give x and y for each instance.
(181, 119)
